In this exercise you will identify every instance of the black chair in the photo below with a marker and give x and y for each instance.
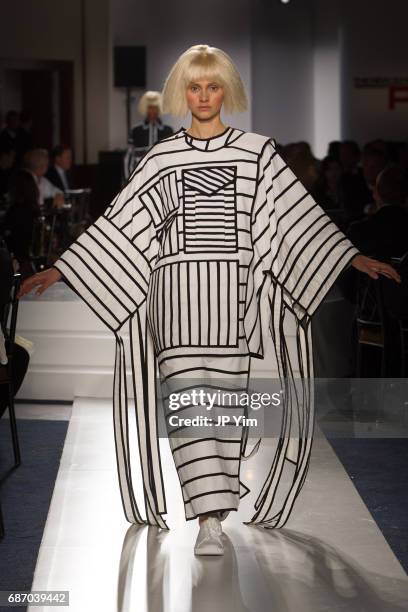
(8, 314)
(8, 322)
(382, 319)
(395, 299)
(1, 523)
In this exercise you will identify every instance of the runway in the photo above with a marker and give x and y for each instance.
(330, 555)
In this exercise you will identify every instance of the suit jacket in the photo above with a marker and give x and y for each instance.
(139, 135)
(54, 177)
(383, 234)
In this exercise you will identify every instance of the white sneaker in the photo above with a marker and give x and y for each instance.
(222, 514)
(209, 539)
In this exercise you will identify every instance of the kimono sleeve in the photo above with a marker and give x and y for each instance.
(110, 263)
(295, 241)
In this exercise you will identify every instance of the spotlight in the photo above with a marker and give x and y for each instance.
(285, 1)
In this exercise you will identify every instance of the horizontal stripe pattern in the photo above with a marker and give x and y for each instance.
(108, 270)
(210, 219)
(208, 467)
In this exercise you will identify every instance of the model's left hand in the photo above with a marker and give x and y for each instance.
(373, 268)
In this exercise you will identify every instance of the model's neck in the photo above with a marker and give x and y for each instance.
(206, 128)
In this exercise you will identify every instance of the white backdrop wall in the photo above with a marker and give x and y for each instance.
(327, 31)
(282, 70)
(374, 45)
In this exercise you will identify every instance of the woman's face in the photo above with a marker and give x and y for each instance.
(204, 99)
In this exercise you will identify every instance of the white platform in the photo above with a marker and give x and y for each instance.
(330, 557)
(74, 352)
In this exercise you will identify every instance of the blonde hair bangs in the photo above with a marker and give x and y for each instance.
(150, 98)
(203, 62)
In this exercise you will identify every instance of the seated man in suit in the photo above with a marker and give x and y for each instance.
(384, 233)
(30, 193)
(59, 171)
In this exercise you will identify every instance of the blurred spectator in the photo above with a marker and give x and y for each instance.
(7, 159)
(374, 160)
(24, 140)
(355, 190)
(327, 189)
(8, 135)
(28, 193)
(305, 150)
(349, 155)
(385, 233)
(20, 218)
(301, 161)
(36, 163)
(402, 157)
(379, 145)
(333, 149)
(59, 172)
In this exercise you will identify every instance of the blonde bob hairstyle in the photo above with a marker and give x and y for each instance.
(203, 62)
(150, 98)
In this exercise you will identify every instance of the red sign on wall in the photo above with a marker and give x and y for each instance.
(396, 95)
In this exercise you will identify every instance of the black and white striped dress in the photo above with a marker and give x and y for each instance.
(196, 261)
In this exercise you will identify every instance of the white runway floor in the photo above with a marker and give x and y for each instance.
(330, 556)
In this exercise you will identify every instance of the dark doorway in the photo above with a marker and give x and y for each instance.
(37, 99)
(46, 91)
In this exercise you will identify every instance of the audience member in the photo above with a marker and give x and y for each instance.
(36, 163)
(401, 158)
(333, 150)
(327, 189)
(379, 144)
(374, 160)
(59, 172)
(20, 217)
(7, 159)
(300, 159)
(24, 140)
(29, 190)
(385, 232)
(8, 135)
(353, 185)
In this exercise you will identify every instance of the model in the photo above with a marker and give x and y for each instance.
(197, 259)
(146, 133)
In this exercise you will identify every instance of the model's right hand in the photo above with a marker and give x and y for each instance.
(43, 279)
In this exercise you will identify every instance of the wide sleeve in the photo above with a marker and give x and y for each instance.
(294, 240)
(110, 263)
(297, 254)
